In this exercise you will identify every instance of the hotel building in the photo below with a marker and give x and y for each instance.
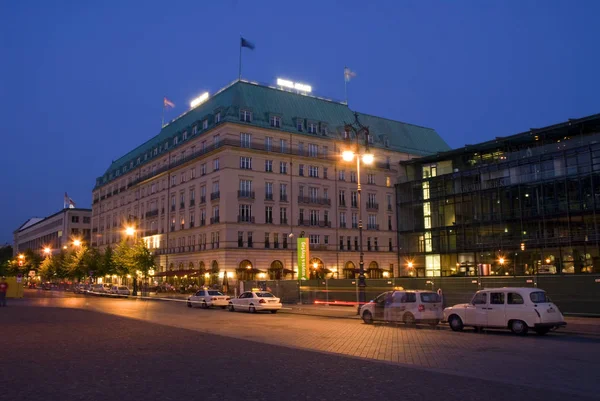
(222, 187)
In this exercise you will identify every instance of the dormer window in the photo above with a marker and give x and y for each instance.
(138, 160)
(386, 141)
(217, 118)
(346, 134)
(275, 121)
(155, 151)
(245, 116)
(300, 124)
(184, 135)
(175, 140)
(312, 128)
(194, 130)
(205, 123)
(324, 129)
(131, 164)
(167, 145)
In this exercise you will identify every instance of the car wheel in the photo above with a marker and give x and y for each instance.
(408, 318)
(456, 323)
(518, 327)
(204, 305)
(252, 309)
(367, 317)
(274, 311)
(189, 304)
(542, 331)
(231, 308)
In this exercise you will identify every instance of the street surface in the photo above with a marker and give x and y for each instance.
(84, 347)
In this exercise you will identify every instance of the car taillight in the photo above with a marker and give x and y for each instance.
(262, 301)
(227, 299)
(212, 298)
(421, 308)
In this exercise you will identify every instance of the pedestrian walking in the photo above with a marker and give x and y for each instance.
(3, 290)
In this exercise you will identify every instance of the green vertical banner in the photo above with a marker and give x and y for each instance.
(302, 248)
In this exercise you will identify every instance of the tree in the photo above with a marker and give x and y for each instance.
(108, 265)
(76, 263)
(46, 269)
(124, 259)
(141, 258)
(93, 262)
(32, 261)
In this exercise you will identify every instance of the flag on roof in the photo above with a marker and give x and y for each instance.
(348, 73)
(167, 102)
(71, 203)
(246, 43)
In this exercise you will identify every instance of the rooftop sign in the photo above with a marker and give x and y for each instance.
(294, 85)
(199, 100)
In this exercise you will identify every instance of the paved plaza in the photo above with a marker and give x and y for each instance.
(94, 332)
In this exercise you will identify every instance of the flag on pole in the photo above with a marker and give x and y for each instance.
(168, 103)
(71, 203)
(348, 73)
(246, 43)
(66, 201)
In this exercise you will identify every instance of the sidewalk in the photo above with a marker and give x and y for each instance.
(575, 325)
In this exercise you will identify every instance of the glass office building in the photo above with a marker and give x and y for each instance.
(522, 204)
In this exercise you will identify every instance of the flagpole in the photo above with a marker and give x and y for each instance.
(240, 65)
(345, 86)
(162, 123)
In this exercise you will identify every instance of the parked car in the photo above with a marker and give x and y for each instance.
(80, 288)
(206, 298)
(254, 301)
(119, 290)
(517, 309)
(407, 306)
(99, 288)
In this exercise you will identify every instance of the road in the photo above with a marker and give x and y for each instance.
(83, 347)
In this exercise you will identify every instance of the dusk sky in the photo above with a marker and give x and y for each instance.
(82, 82)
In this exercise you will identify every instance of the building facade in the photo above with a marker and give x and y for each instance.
(54, 232)
(231, 184)
(523, 204)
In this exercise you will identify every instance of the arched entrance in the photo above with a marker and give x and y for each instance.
(374, 270)
(245, 270)
(276, 270)
(349, 270)
(214, 272)
(317, 269)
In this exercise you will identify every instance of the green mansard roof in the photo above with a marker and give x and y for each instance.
(265, 101)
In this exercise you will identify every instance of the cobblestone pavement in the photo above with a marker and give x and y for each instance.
(555, 362)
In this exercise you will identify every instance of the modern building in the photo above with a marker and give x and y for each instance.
(232, 183)
(522, 204)
(53, 232)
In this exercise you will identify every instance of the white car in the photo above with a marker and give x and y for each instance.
(408, 306)
(100, 288)
(254, 301)
(120, 290)
(517, 309)
(206, 298)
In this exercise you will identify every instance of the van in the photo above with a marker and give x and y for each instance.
(515, 308)
(407, 306)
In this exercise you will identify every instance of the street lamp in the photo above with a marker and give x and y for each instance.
(367, 158)
(47, 251)
(77, 242)
(129, 231)
(291, 237)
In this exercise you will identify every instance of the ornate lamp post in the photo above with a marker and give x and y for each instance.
(367, 158)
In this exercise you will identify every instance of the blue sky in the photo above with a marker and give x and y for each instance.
(82, 82)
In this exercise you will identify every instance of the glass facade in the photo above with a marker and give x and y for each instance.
(524, 204)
